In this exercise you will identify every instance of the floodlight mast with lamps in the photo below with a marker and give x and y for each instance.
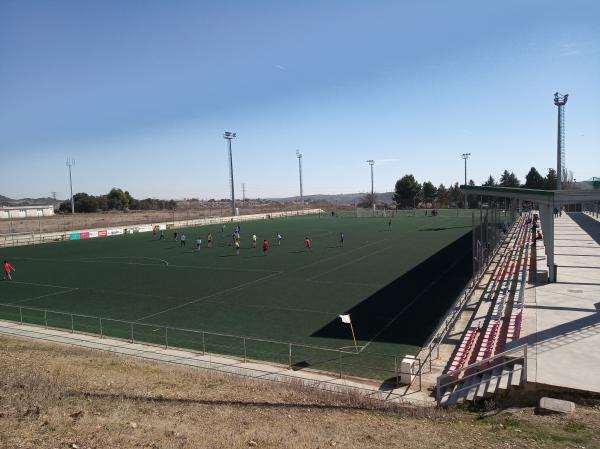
(465, 156)
(371, 162)
(229, 136)
(560, 101)
(70, 163)
(299, 156)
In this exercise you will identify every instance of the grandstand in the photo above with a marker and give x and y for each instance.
(523, 326)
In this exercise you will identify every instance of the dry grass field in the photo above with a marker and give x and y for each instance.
(53, 396)
(68, 222)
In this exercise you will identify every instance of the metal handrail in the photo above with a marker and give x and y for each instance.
(457, 308)
(488, 367)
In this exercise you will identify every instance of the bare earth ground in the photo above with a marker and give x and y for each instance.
(53, 396)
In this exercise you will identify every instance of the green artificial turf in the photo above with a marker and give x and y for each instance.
(396, 284)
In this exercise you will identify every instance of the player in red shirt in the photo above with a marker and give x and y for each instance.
(265, 246)
(308, 243)
(7, 270)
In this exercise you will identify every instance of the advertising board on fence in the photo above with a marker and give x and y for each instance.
(74, 236)
(114, 231)
(93, 234)
(84, 235)
(102, 233)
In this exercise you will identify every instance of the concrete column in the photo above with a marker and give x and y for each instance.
(547, 217)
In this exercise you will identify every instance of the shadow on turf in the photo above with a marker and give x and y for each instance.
(435, 283)
(443, 229)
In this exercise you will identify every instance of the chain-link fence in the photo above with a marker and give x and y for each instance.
(341, 362)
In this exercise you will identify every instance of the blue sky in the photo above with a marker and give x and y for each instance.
(139, 93)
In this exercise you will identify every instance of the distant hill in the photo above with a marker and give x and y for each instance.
(6, 201)
(340, 199)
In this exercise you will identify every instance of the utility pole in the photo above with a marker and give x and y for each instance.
(54, 195)
(465, 156)
(70, 163)
(560, 101)
(299, 156)
(243, 192)
(371, 162)
(229, 136)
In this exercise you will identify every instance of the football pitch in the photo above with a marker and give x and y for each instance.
(395, 283)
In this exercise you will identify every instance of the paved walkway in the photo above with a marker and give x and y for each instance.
(564, 317)
(259, 371)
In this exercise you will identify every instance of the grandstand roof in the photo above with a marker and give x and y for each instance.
(535, 195)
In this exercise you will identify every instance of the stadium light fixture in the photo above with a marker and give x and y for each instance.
(70, 163)
(560, 101)
(371, 162)
(299, 156)
(229, 136)
(465, 156)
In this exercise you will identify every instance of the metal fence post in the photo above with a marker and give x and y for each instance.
(101, 331)
(132, 341)
(72, 324)
(396, 371)
(525, 364)
(45, 320)
(166, 338)
(21, 314)
(341, 369)
(421, 372)
(244, 342)
(290, 357)
(203, 345)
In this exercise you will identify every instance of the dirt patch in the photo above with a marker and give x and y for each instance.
(58, 397)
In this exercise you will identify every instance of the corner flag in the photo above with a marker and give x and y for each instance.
(346, 319)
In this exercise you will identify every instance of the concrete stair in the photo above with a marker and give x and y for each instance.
(484, 385)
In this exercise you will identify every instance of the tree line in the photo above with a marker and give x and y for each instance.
(408, 192)
(116, 199)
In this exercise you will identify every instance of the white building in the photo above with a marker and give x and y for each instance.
(26, 211)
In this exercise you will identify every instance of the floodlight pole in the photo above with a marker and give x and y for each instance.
(228, 136)
(465, 156)
(371, 162)
(70, 163)
(299, 156)
(560, 101)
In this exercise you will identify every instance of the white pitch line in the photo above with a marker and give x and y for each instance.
(348, 263)
(237, 287)
(41, 285)
(407, 306)
(264, 278)
(42, 296)
(123, 257)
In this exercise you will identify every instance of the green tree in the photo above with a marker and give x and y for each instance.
(509, 180)
(490, 182)
(533, 179)
(550, 180)
(117, 199)
(85, 202)
(456, 195)
(429, 191)
(406, 191)
(443, 196)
